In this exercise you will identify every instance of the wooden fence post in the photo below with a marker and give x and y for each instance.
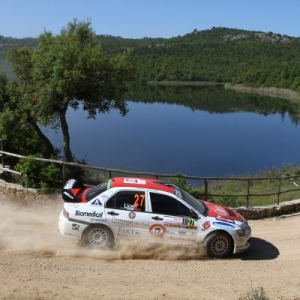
(2, 156)
(64, 174)
(205, 190)
(248, 193)
(279, 190)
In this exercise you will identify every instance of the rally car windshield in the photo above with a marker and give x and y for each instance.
(198, 205)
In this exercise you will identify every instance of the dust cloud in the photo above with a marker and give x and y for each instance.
(34, 230)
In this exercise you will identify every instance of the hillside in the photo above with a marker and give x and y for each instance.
(219, 55)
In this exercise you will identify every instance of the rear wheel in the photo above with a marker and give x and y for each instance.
(219, 245)
(98, 237)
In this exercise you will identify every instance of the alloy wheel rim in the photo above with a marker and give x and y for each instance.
(97, 237)
(219, 245)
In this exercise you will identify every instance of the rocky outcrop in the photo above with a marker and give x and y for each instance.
(24, 196)
(268, 211)
(262, 36)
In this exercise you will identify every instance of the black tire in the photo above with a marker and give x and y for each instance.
(219, 245)
(98, 237)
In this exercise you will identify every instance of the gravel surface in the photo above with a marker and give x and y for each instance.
(36, 262)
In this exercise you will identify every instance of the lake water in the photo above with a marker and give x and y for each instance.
(162, 137)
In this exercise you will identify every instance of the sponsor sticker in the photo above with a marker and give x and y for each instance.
(121, 221)
(128, 231)
(128, 206)
(188, 221)
(68, 195)
(172, 225)
(75, 227)
(205, 225)
(96, 202)
(69, 184)
(223, 225)
(94, 220)
(219, 218)
(173, 220)
(221, 211)
(134, 181)
(189, 227)
(158, 230)
(132, 215)
(88, 214)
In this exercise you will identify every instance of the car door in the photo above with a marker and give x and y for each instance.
(171, 221)
(125, 213)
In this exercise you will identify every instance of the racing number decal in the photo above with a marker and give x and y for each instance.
(190, 222)
(139, 200)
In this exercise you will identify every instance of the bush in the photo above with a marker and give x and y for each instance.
(39, 175)
(180, 182)
(231, 201)
(256, 294)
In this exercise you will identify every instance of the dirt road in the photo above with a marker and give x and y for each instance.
(36, 262)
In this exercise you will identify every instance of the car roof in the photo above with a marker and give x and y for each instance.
(141, 182)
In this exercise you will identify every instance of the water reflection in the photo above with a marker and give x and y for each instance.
(213, 99)
(199, 131)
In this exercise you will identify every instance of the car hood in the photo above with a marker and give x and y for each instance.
(222, 212)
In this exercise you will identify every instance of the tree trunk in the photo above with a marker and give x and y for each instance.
(48, 145)
(66, 135)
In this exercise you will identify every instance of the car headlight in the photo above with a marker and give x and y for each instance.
(241, 232)
(244, 231)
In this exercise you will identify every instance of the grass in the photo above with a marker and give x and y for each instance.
(230, 191)
(263, 188)
(256, 294)
(259, 184)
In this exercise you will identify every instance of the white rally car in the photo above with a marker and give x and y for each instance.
(150, 210)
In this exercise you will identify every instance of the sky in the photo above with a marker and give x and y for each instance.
(144, 18)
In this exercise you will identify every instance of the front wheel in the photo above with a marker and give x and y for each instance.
(219, 245)
(98, 237)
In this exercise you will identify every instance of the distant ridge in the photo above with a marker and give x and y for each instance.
(219, 54)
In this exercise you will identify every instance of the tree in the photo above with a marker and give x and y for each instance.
(70, 70)
(19, 108)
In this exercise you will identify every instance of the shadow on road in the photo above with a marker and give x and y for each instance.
(259, 250)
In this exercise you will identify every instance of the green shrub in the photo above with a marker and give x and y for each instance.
(231, 201)
(256, 294)
(180, 182)
(39, 175)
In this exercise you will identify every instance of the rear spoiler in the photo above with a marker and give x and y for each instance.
(72, 190)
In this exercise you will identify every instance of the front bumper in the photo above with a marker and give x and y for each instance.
(241, 244)
(242, 248)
